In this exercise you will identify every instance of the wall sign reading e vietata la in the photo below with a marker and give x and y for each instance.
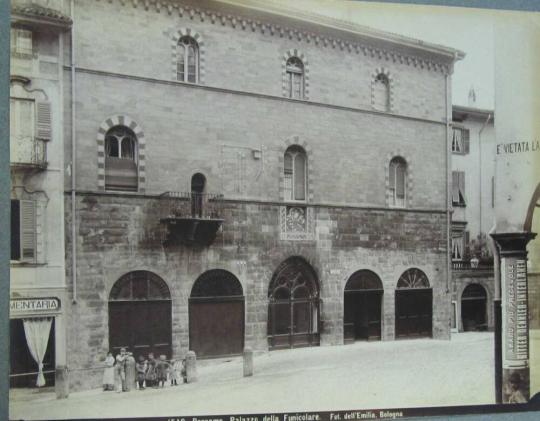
(516, 147)
(33, 305)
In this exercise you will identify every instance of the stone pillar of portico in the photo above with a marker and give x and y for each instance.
(514, 306)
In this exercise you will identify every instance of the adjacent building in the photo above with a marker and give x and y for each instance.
(473, 169)
(38, 287)
(243, 178)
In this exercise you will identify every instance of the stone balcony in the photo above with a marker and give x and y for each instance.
(192, 218)
(28, 153)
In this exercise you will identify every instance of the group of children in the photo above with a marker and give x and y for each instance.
(122, 371)
(154, 373)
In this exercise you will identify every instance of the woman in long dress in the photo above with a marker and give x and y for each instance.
(108, 373)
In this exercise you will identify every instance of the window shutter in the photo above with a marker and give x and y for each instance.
(462, 186)
(465, 139)
(455, 187)
(392, 180)
(15, 230)
(299, 177)
(466, 247)
(28, 230)
(43, 120)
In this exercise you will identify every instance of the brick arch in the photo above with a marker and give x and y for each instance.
(391, 87)
(284, 83)
(295, 141)
(122, 120)
(188, 32)
(409, 185)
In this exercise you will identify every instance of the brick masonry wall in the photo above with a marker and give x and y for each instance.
(190, 130)
(121, 233)
(112, 37)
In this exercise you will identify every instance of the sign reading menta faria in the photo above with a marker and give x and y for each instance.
(517, 147)
(33, 305)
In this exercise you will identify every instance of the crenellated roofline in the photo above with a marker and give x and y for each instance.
(308, 28)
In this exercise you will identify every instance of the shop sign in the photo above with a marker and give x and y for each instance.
(515, 321)
(33, 305)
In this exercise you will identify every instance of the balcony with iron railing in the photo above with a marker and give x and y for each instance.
(28, 152)
(191, 217)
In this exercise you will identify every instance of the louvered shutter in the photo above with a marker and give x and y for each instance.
(43, 120)
(28, 230)
(465, 139)
(462, 187)
(455, 187)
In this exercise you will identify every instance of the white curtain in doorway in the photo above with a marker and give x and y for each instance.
(37, 336)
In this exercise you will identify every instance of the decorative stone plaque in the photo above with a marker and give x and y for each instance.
(515, 321)
(296, 223)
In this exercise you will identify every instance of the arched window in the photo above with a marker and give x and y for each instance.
(295, 172)
(398, 182)
(120, 159)
(295, 76)
(188, 60)
(381, 92)
(293, 308)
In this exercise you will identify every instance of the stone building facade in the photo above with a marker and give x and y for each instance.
(251, 178)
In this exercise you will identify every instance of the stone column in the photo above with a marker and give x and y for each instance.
(515, 330)
(248, 362)
(191, 367)
(61, 382)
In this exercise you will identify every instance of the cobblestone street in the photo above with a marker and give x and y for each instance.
(364, 375)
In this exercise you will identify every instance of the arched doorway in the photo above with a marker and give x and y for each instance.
(293, 309)
(140, 314)
(216, 315)
(474, 308)
(198, 186)
(414, 305)
(362, 306)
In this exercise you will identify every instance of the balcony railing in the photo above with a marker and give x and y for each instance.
(28, 152)
(192, 218)
(194, 205)
(467, 265)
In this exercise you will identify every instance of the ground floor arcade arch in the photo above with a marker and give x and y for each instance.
(362, 307)
(293, 308)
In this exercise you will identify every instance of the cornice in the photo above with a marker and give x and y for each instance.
(244, 23)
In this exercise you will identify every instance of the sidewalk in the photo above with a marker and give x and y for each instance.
(407, 373)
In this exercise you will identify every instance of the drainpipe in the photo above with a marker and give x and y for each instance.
(480, 171)
(73, 159)
(448, 202)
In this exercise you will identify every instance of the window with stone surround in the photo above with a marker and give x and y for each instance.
(295, 172)
(188, 60)
(381, 93)
(460, 239)
(121, 159)
(295, 78)
(397, 182)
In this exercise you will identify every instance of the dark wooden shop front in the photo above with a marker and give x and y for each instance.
(216, 315)
(140, 315)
